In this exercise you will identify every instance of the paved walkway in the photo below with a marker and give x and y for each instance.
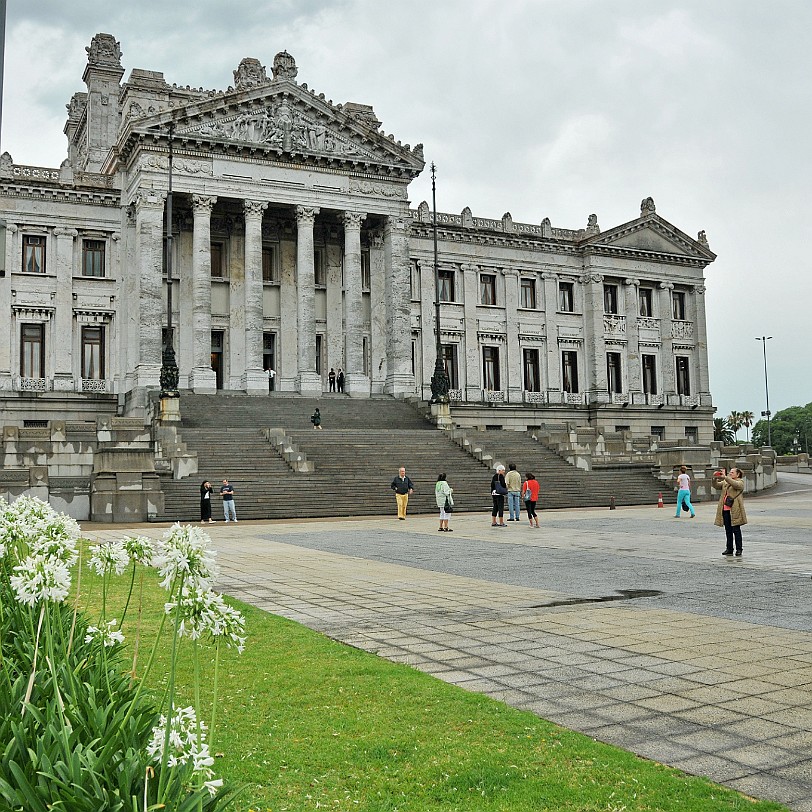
(626, 625)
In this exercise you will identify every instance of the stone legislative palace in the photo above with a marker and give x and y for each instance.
(293, 248)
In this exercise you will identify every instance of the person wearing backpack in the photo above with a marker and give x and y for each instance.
(530, 492)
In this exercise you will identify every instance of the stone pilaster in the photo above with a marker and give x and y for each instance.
(701, 355)
(399, 378)
(428, 315)
(552, 356)
(254, 378)
(63, 317)
(666, 329)
(473, 354)
(378, 325)
(202, 377)
(149, 309)
(513, 351)
(595, 355)
(309, 381)
(357, 383)
(633, 360)
(287, 361)
(6, 337)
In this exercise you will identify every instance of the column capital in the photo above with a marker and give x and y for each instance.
(376, 239)
(666, 286)
(66, 232)
(632, 282)
(149, 199)
(353, 219)
(397, 223)
(514, 272)
(306, 215)
(254, 208)
(550, 276)
(595, 278)
(700, 289)
(203, 204)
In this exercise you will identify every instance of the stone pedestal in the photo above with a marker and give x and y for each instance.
(170, 410)
(203, 381)
(356, 385)
(256, 381)
(63, 382)
(308, 383)
(441, 413)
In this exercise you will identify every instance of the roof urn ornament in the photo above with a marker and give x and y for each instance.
(104, 52)
(647, 206)
(250, 73)
(284, 67)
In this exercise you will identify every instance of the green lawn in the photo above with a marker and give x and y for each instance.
(306, 723)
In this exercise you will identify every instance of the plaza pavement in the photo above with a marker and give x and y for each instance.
(626, 625)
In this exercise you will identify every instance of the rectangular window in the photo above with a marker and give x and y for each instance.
(32, 350)
(33, 254)
(650, 374)
(683, 376)
(532, 376)
(366, 274)
(691, 435)
(446, 281)
(645, 302)
(487, 289)
(450, 363)
(93, 353)
(217, 264)
(319, 345)
(610, 298)
(217, 345)
(93, 257)
(490, 368)
(569, 371)
(414, 280)
(270, 263)
(613, 379)
(658, 432)
(678, 298)
(566, 297)
(527, 295)
(319, 268)
(269, 351)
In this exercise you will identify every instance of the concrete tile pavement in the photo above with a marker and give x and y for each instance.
(703, 663)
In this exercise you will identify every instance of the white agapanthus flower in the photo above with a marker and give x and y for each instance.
(185, 551)
(187, 745)
(33, 526)
(140, 549)
(203, 610)
(41, 578)
(107, 557)
(108, 637)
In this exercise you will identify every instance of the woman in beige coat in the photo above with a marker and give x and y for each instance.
(730, 512)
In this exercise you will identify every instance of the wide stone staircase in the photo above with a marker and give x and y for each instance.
(563, 485)
(355, 456)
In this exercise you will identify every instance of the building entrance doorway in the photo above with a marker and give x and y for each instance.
(217, 356)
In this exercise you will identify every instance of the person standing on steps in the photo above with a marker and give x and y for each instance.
(315, 419)
(271, 376)
(684, 492)
(498, 493)
(229, 510)
(340, 380)
(331, 379)
(513, 480)
(730, 512)
(403, 488)
(445, 501)
(206, 491)
(530, 492)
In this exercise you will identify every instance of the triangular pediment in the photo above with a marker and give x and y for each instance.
(651, 234)
(281, 118)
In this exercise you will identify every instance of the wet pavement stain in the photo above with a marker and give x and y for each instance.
(622, 595)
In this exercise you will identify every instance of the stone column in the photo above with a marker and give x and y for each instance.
(701, 354)
(633, 359)
(667, 354)
(309, 382)
(202, 378)
(472, 368)
(254, 378)
(428, 315)
(595, 355)
(6, 337)
(378, 324)
(399, 378)
(149, 310)
(551, 363)
(356, 381)
(63, 318)
(513, 351)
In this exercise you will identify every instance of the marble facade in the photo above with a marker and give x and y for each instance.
(294, 246)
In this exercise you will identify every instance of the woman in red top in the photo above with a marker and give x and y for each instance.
(530, 494)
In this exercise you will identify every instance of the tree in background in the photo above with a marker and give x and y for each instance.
(722, 431)
(735, 421)
(747, 421)
(794, 423)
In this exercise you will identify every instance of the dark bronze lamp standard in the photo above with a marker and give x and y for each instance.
(169, 366)
(439, 381)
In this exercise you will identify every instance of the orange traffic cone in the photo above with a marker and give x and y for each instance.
(660, 501)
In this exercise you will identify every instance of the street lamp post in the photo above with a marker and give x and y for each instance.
(169, 367)
(764, 340)
(439, 380)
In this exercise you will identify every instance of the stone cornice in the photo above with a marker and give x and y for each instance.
(61, 194)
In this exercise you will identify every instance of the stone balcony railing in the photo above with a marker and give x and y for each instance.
(682, 329)
(614, 325)
(32, 384)
(95, 385)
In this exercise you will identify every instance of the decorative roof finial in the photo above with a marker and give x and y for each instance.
(250, 73)
(284, 67)
(647, 206)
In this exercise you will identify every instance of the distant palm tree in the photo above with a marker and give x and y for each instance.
(748, 418)
(735, 422)
(722, 431)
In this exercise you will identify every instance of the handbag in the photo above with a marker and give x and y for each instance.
(728, 501)
(528, 495)
(448, 507)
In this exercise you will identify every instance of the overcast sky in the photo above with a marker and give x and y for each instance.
(543, 108)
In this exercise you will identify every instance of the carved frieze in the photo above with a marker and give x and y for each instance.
(181, 166)
(363, 187)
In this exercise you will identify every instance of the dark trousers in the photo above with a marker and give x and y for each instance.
(732, 532)
(498, 505)
(205, 510)
(531, 508)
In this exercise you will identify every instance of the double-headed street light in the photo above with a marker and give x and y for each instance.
(439, 381)
(764, 340)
